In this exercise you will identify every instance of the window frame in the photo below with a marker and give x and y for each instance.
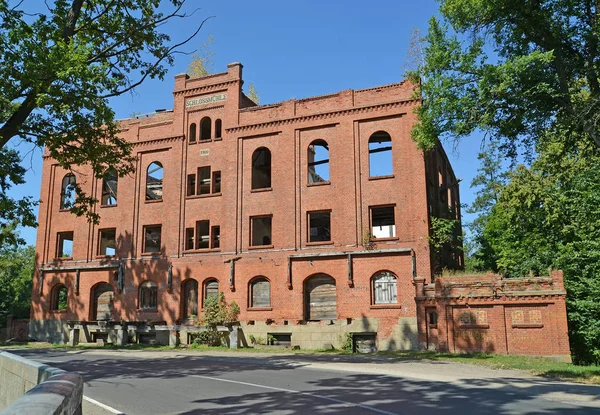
(374, 299)
(205, 284)
(388, 238)
(193, 133)
(214, 244)
(100, 231)
(205, 122)
(63, 191)
(152, 287)
(253, 187)
(146, 228)
(370, 152)
(106, 190)
(251, 283)
(162, 182)
(252, 219)
(321, 143)
(308, 227)
(59, 247)
(54, 298)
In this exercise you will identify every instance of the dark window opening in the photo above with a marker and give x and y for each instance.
(319, 226)
(107, 245)
(154, 181)
(59, 298)
(191, 185)
(218, 127)
(189, 239)
(204, 180)
(216, 182)
(261, 231)
(202, 234)
(215, 237)
(64, 247)
(109, 187)
(380, 154)
(385, 288)
(383, 223)
(318, 162)
(260, 292)
(433, 318)
(152, 239)
(261, 169)
(67, 194)
(148, 296)
(205, 129)
(193, 133)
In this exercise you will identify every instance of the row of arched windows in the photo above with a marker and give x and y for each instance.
(206, 132)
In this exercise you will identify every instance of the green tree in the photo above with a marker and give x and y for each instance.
(58, 69)
(16, 273)
(202, 60)
(513, 69)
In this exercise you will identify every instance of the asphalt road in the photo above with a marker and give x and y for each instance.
(199, 383)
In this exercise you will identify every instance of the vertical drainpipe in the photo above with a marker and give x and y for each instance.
(289, 273)
(350, 271)
(41, 282)
(232, 275)
(413, 257)
(170, 276)
(77, 281)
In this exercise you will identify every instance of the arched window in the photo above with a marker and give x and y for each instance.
(380, 154)
(192, 138)
(59, 298)
(154, 181)
(260, 292)
(148, 299)
(109, 187)
(318, 162)
(205, 129)
(67, 193)
(261, 168)
(320, 298)
(211, 289)
(385, 288)
(218, 127)
(103, 296)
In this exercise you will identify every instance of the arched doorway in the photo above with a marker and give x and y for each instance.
(320, 298)
(190, 299)
(103, 302)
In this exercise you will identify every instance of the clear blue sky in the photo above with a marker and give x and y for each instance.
(294, 50)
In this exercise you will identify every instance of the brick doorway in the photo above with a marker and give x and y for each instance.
(320, 298)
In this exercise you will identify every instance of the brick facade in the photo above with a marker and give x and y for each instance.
(419, 185)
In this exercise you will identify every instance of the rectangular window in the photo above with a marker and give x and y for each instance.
(383, 222)
(64, 247)
(107, 245)
(204, 180)
(189, 239)
(261, 231)
(216, 182)
(215, 237)
(152, 239)
(319, 226)
(191, 185)
(202, 234)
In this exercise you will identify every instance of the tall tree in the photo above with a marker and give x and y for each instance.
(16, 273)
(512, 69)
(59, 67)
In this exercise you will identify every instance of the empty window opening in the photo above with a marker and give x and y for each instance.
(59, 298)
(148, 296)
(218, 127)
(318, 162)
(204, 180)
(202, 234)
(154, 181)
(319, 226)
(205, 129)
(261, 168)
(109, 187)
(107, 245)
(385, 288)
(64, 247)
(189, 239)
(193, 133)
(216, 182)
(152, 236)
(191, 185)
(383, 222)
(211, 289)
(320, 298)
(260, 292)
(380, 155)
(215, 237)
(67, 194)
(261, 230)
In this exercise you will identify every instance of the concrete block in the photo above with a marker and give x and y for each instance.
(121, 339)
(173, 338)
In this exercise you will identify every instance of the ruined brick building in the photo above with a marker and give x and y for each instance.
(312, 214)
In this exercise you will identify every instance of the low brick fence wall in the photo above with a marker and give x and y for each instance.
(28, 387)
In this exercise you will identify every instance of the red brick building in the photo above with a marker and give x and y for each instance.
(312, 214)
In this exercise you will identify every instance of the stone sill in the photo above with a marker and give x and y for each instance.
(201, 251)
(527, 326)
(108, 206)
(319, 243)
(318, 184)
(384, 306)
(473, 326)
(204, 196)
(261, 247)
(388, 176)
(266, 189)
(259, 309)
(153, 201)
(394, 238)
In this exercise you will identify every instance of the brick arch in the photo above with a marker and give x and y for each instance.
(384, 291)
(97, 292)
(259, 296)
(320, 297)
(186, 309)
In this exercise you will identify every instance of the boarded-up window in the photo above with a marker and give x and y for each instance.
(190, 299)
(103, 301)
(260, 292)
(385, 288)
(320, 298)
(211, 289)
(148, 295)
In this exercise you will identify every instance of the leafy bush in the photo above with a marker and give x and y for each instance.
(208, 338)
(217, 311)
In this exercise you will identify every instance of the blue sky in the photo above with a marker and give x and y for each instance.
(293, 50)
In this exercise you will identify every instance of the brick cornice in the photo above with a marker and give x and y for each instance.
(158, 140)
(322, 115)
(205, 88)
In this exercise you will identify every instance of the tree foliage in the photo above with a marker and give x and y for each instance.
(202, 60)
(512, 69)
(217, 311)
(58, 69)
(252, 93)
(16, 273)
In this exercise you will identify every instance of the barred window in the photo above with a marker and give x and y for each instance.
(148, 296)
(385, 288)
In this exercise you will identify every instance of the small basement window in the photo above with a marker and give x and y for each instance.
(64, 247)
(261, 230)
(280, 339)
(383, 222)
